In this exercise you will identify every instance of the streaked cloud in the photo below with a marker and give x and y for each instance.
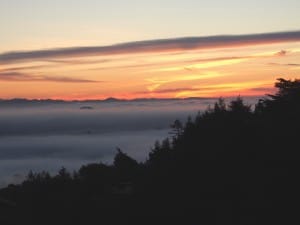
(159, 45)
(285, 64)
(264, 89)
(171, 90)
(157, 82)
(17, 76)
(77, 61)
(250, 88)
(282, 53)
(205, 65)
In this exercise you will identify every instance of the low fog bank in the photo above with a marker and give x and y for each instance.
(93, 118)
(19, 154)
(50, 136)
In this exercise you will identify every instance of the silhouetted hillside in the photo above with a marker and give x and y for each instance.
(24, 101)
(232, 164)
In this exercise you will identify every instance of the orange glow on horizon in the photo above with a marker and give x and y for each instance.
(246, 71)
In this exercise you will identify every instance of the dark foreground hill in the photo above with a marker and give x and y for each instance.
(232, 164)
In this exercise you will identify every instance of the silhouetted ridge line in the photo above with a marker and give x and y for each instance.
(24, 100)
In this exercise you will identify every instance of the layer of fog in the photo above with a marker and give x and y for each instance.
(50, 136)
(102, 118)
(19, 154)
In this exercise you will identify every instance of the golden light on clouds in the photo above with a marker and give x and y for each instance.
(157, 82)
(165, 72)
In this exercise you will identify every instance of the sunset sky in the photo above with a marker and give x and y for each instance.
(91, 49)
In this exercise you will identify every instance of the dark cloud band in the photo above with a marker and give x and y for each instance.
(160, 45)
(17, 76)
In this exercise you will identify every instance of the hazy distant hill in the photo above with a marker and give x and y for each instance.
(47, 101)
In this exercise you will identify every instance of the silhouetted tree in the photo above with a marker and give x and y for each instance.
(177, 128)
(231, 165)
(123, 162)
(160, 153)
(238, 106)
(287, 89)
(220, 106)
(63, 174)
(126, 167)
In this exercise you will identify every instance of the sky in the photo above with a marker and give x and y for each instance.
(74, 49)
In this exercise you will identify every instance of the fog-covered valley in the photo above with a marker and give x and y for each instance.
(51, 135)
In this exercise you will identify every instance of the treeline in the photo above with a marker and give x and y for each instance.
(232, 164)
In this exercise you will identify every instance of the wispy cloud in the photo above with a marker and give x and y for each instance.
(78, 61)
(22, 68)
(220, 59)
(263, 89)
(17, 76)
(285, 64)
(282, 53)
(171, 90)
(155, 83)
(68, 80)
(160, 45)
(203, 65)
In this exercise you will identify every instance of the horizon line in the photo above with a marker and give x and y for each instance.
(120, 99)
